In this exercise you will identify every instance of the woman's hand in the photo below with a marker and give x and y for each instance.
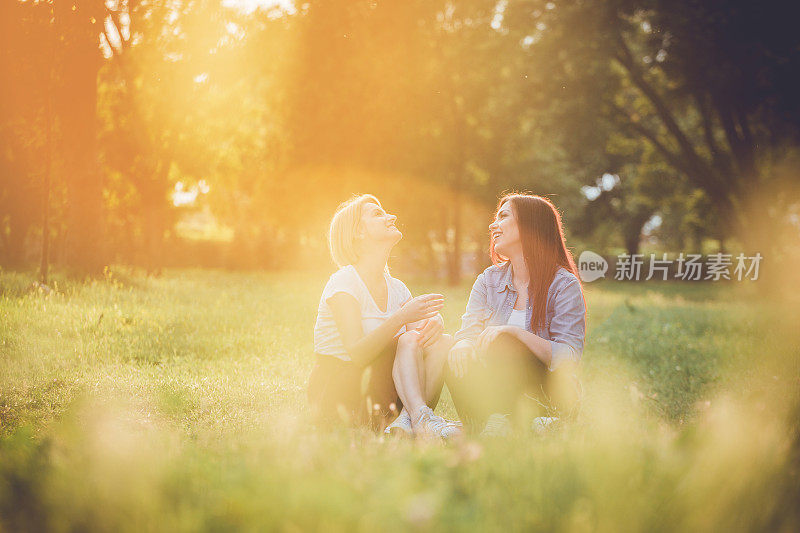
(422, 307)
(430, 330)
(488, 335)
(459, 354)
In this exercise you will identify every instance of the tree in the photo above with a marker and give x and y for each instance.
(78, 25)
(25, 35)
(706, 85)
(411, 89)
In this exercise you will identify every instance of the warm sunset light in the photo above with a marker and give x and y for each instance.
(369, 265)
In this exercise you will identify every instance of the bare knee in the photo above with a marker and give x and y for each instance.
(508, 349)
(443, 343)
(408, 347)
(409, 340)
(440, 349)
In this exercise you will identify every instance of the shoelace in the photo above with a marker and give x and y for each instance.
(432, 421)
(454, 423)
(437, 423)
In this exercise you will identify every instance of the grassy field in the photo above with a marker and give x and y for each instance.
(177, 404)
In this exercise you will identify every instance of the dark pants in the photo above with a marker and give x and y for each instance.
(343, 392)
(509, 379)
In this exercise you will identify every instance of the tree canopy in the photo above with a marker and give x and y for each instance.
(679, 119)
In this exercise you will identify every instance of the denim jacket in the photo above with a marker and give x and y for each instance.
(493, 297)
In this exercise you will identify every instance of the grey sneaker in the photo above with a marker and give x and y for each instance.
(401, 425)
(497, 425)
(433, 425)
(456, 423)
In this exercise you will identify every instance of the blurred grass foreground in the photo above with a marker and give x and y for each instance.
(133, 403)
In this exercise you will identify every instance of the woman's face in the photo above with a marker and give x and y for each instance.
(378, 226)
(505, 232)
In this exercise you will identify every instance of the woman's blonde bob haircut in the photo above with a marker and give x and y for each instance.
(344, 228)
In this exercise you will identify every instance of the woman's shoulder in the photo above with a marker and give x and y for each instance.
(347, 272)
(345, 279)
(566, 275)
(562, 279)
(496, 271)
(497, 274)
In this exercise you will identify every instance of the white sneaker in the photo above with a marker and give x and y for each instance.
(401, 425)
(433, 425)
(497, 425)
(541, 424)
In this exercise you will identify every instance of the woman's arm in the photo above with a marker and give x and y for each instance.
(540, 347)
(363, 349)
(474, 319)
(568, 326)
(567, 329)
(473, 322)
(430, 330)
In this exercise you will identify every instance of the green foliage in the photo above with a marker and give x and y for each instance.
(435, 106)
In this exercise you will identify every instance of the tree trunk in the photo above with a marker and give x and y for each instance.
(44, 264)
(459, 169)
(632, 231)
(632, 240)
(153, 190)
(454, 264)
(154, 229)
(80, 63)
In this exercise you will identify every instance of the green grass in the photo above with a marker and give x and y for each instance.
(178, 403)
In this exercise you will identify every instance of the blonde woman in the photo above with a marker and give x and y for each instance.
(376, 347)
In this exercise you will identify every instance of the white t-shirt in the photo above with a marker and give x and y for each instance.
(327, 340)
(518, 318)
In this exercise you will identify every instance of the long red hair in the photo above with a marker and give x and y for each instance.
(543, 248)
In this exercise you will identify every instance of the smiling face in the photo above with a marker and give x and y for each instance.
(505, 232)
(377, 226)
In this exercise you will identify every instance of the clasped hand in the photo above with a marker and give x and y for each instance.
(430, 330)
(464, 350)
(422, 315)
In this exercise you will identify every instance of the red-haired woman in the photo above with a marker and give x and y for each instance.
(523, 331)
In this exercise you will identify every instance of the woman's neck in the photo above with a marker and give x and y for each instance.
(371, 266)
(519, 271)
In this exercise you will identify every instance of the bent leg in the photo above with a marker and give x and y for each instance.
(409, 373)
(497, 382)
(342, 392)
(380, 395)
(435, 361)
(516, 373)
(563, 390)
(467, 392)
